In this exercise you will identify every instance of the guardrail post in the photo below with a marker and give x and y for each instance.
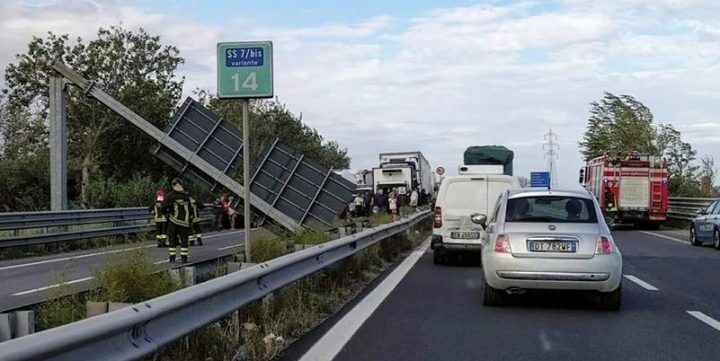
(95, 308)
(23, 323)
(189, 274)
(5, 327)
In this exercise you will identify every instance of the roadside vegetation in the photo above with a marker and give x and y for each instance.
(258, 331)
(129, 278)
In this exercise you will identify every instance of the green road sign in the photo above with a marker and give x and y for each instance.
(245, 70)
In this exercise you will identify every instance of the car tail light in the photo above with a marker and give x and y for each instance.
(437, 220)
(604, 245)
(502, 244)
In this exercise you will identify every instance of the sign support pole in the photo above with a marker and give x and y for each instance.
(246, 176)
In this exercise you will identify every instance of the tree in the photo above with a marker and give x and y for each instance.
(618, 125)
(682, 173)
(133, 67)
(707, 175)
(270, 119)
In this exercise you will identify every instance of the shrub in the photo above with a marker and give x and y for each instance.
(266, 248)
(132, 278)
(58, 310)
(311, 236)
(378, 219)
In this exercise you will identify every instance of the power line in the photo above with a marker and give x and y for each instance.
(551, 148)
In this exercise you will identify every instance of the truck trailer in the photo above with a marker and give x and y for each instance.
(405, 171)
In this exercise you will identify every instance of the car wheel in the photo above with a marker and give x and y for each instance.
(610, 300)
(492, 296)
(716, 239)
(693, 236)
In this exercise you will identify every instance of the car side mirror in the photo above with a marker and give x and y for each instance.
(479, 218)
(702, 212)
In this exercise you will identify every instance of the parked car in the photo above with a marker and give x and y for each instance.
(705, 228)
(460, 208)
(550, 239)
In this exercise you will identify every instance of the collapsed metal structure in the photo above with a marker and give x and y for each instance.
(286, 187)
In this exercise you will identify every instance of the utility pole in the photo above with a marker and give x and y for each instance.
(551, 148)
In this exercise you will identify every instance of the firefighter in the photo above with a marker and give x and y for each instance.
(195, 232)
(177, 206)
(161, 223)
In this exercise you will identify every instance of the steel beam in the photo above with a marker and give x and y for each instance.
(58, 145)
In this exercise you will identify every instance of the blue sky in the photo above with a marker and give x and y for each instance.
(437, 76)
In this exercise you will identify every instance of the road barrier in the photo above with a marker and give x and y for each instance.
(143, 328)
(686, 208)
(123, 221)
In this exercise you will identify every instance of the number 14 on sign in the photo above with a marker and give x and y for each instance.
(250, 81)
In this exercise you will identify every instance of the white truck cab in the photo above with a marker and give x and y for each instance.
(463, 204)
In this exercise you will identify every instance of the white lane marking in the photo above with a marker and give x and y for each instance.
(228, 247)
(666, 237)
(73, 257)
(52, 286)
(706, 319)
(641, 283)
(95, 254)
(335, 339)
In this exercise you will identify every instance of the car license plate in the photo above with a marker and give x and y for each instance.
(551, 246)
(464, 235)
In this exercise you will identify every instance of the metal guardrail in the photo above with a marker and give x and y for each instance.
(143, 328)
(686, 208)
(139, 217)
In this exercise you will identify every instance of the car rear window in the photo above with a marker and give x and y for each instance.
(558, 209)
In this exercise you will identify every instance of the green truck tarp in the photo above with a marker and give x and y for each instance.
(489, 155)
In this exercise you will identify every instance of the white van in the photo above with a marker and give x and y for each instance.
(463, 204)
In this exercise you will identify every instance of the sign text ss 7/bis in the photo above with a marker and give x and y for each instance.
(245, 70)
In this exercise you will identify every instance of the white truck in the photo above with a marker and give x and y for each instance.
(405, 171)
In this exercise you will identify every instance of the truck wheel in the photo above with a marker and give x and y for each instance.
(693, 236)
(493, 297)
(610, 301)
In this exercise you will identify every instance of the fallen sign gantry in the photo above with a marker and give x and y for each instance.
(198, 159)
(307, 192)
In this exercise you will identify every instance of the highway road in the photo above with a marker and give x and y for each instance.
(671, 308)
(30, 280)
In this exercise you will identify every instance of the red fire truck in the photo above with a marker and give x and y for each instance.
(633, 189)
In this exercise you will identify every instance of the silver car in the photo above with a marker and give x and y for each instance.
(550, 239)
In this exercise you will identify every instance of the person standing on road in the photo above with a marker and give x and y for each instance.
(414, 199)
(359, 205)
(196, 232)
(232, 213)
(177, 206)
(161, 223)
(380, 202)
(368, 199)
(394, 206)
(219, 211)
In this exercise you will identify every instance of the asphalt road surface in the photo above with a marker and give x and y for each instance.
(670, 311)
(30, 280)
